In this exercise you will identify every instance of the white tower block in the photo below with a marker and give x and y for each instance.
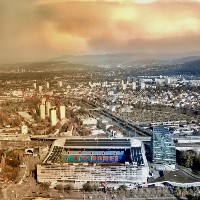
(40, 88)
(47, 85)
(48, 107)
(134, 86)
(53, 117)
(62, 112)
(42, 111)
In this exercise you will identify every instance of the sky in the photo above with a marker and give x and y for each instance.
(33, 30)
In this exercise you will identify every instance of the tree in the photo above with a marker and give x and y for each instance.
(68, 188)
(45, 186)
(87, 187)
(86, 132)
(122, 187)
(196, 190)
(59, 187)
(184, 191)
(178, 191)
(14, 163)
(96, 187)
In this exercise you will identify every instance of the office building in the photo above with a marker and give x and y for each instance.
(163, 150)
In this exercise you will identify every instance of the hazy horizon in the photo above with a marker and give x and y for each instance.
(37, 30)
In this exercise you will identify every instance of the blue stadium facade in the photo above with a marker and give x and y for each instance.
(115, 161)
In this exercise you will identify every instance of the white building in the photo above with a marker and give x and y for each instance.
(142, 86)
(87, 120)
(60, 84)
(167, 80)
(47, 85)
(17, 93)
(124, 86)
(40, 88)
(133, 85)
(43, 100)
(141, 80)
(35, 85)
(42, 111)
(24, 129)
(53, 117)
(48, 107)
(62, 112)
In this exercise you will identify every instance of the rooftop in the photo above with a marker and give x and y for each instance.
(176, 176)
(111, 143)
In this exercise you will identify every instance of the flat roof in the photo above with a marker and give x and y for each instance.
(176, 176)
(111, 143)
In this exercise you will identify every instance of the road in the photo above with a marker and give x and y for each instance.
(132, 129)
(94, 196)
(22, 144)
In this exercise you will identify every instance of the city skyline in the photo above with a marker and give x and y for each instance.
(43, 29)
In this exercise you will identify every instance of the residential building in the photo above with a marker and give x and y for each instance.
(62, 112)
(53, 117)
(42, 111)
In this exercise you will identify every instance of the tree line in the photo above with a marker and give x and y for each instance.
(189, 159)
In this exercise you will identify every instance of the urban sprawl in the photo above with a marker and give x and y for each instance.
(125, 137)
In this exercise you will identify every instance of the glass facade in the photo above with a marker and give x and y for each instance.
(163, 150)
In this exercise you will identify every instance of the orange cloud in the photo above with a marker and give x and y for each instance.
(45, 28)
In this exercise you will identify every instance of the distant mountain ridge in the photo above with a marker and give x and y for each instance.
(129, 63)
(124, 59)
(192, 67)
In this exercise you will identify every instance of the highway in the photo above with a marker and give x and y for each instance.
(22, 144)
(132, 129)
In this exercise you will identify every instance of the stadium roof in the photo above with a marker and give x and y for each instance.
(100, 143)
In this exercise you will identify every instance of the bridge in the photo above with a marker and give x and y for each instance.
(47, 138)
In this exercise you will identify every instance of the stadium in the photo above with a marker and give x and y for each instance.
(110, 161)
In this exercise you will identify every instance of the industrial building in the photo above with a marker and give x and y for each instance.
(110, 161)
(163, 150)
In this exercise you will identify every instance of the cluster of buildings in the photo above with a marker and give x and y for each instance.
(115, 160)
(48, 110)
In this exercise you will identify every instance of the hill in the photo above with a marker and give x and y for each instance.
(126, 59)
